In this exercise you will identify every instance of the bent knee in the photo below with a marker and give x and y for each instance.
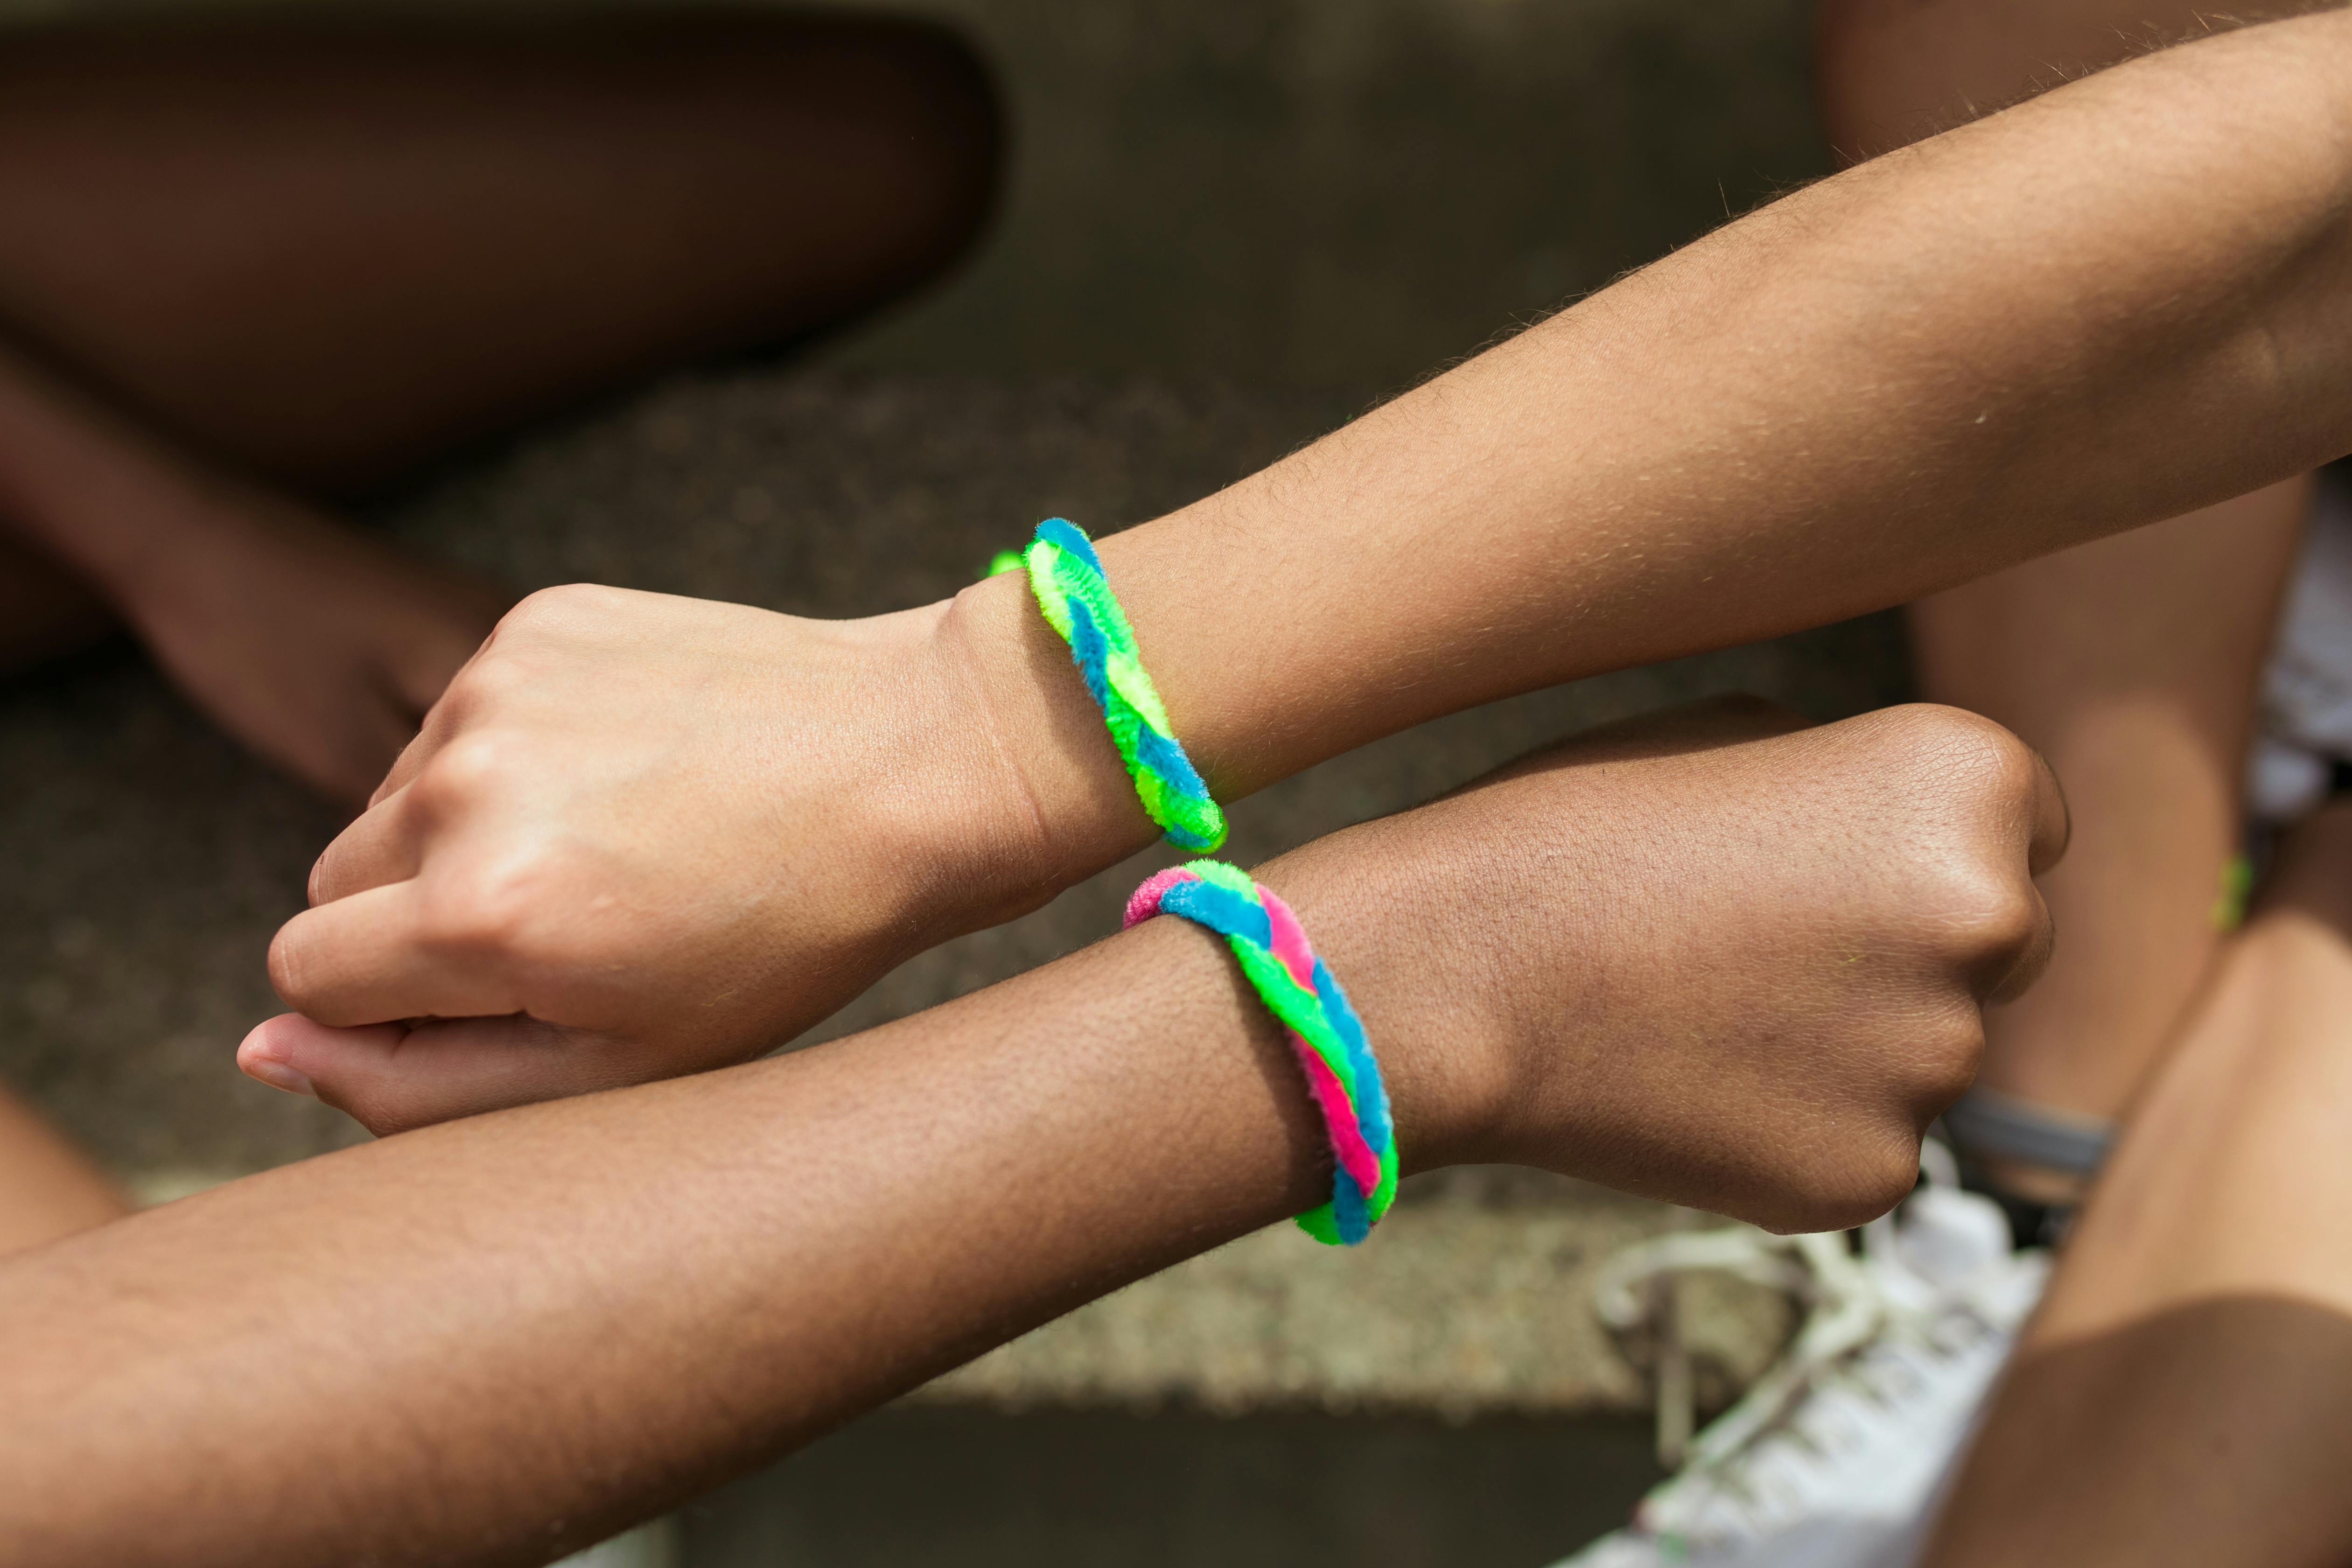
(931, 121)
(956, 137)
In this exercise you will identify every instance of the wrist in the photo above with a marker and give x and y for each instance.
(1052, 775)
(1442, 1035)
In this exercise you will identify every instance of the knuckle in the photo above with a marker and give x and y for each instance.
(477, 687)
(1945, 1063)
(1884, 1175)
(1940, 1062)
(481, 911)
(1993, 921)
(477, 766)
(550, 610)
(1974, 755)
(1853, 1188)
(490, 679)
(539, 608)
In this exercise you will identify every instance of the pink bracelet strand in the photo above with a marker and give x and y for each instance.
(1342, 1075)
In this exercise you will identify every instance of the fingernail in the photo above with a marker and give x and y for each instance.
(278, 1075)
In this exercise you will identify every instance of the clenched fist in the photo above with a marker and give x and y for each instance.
(643, 836)
(1713, 957)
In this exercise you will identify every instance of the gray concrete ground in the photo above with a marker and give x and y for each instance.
(1083, 1489)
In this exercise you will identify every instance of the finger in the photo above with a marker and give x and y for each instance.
(383, 845)
(392, 1077)
(2031, 954)
(444, 719)
(2054, 823)
(376, 956)
(439, 728)
(269, 1049)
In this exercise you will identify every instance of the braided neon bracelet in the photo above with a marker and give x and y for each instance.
(1325, 1034)
(1067, 575)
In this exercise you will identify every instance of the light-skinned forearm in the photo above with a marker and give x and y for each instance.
(2118, 302)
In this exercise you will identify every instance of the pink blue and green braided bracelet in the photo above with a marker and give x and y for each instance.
(1325, 1035)
(1067, 575)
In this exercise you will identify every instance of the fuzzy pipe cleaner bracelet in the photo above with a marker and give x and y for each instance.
(1323, 1032)
(1067, 575)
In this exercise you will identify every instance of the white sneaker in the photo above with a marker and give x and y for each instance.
(1836, 1457)
(2307, 706)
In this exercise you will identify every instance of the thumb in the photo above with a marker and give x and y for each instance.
(392, 1077)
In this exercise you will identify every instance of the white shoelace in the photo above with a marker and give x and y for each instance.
(1875, 1332)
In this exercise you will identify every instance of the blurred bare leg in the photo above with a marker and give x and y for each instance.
(2180, 1398)
(246, 260)
(321, 249)
(47, 1188)
(1891, 72)
(2185, 1396)
(2131, 664)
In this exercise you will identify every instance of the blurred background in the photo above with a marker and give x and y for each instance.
(1227, 226)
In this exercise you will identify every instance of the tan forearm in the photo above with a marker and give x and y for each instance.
(2108, 306)
(493, 1340)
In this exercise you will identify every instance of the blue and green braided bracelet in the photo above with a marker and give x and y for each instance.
(1067, 575)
